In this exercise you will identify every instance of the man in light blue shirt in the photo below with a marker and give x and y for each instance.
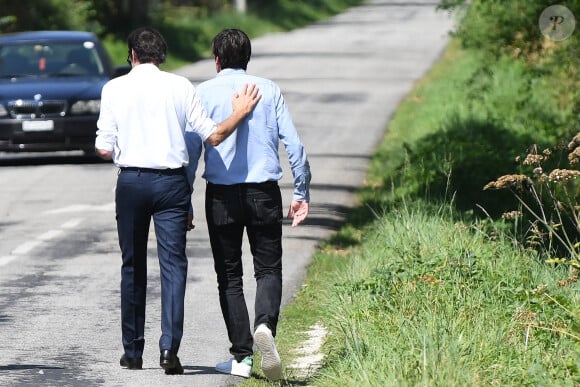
(242, 192)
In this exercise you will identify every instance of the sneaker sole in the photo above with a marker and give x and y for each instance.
(271, 363)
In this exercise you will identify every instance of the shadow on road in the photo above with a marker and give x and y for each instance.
(200, 370)
(27, 159)
(17, 367)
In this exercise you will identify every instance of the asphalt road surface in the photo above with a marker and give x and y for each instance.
(59, 256)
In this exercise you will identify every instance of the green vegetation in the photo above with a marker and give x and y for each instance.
(429, 300)
(435, 281)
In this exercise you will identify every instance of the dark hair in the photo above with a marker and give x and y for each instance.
(233, 48)
(148, 44)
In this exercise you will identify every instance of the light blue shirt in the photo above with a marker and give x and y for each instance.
(250, 153)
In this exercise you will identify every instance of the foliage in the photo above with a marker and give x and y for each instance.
(103, 17)
(25, 15)
(119, 18)
(548, 190)
(499, 27)
(106, 17)
(508, 32)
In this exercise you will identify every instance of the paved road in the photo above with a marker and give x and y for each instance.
(59, 259)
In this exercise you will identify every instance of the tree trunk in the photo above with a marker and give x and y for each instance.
(241, 6)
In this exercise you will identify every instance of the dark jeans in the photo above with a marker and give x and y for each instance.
(139, 197)
(258, 209)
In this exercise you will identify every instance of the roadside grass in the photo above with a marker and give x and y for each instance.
(425, 284)
(429, 300)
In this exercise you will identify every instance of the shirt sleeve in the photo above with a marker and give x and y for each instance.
(106, 124)
(196, 116)
(296, 153)
(194, 149)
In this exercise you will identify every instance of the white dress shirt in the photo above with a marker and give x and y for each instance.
(144, 115)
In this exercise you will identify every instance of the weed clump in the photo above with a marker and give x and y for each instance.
(549, 193)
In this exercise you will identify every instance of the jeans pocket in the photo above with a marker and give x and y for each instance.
(266, 211)
(220, 215)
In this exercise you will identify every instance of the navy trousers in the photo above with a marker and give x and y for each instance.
(257, 208)
(142, 195)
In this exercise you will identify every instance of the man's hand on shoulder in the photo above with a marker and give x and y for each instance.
(242, 105)
(245, 102)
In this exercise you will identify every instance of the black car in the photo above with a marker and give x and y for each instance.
(50, 90)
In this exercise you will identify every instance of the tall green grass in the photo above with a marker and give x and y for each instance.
(428, 300)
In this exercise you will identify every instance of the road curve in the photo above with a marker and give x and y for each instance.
(59, 260)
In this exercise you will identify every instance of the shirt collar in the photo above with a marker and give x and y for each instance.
(145, 67)
(230, 71)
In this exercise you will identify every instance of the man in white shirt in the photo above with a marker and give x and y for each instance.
(141, 126)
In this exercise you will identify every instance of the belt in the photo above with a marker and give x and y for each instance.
(265, 184)
(167, 171)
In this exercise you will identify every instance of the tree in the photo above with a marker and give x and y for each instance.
(25, 15)
(120, 17)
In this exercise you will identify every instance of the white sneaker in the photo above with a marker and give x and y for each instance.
(271, 363)
(232, 367)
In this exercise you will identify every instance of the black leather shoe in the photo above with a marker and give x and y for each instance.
(131, 363)
(170, 363)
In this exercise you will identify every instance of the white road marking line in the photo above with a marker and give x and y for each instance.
(26, 247)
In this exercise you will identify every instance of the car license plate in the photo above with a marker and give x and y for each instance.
(37, 126)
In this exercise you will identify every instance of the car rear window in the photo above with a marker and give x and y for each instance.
(50, 59)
